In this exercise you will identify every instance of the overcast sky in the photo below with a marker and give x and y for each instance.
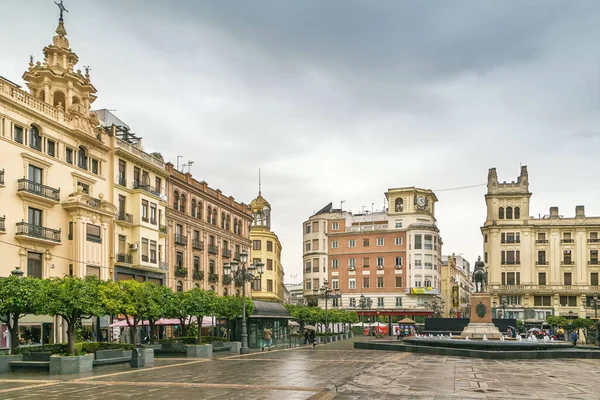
(341, 100)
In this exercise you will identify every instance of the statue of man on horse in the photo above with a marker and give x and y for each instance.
(479, 276)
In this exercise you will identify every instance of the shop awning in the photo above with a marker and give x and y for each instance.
(269, 309)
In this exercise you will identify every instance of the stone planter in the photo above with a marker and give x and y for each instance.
(62, 365)
(155, 346)
(5, 362)
(142, 358)
(341, 336)
(235, 347)
(199, 350)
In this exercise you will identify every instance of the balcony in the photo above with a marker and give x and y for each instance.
(212, 249)
(213, 278)
(541, 241)
(589, 240)
(124, 218)
(146, 188)
(544, 289)
(37, 191)
(124, 258)
(37, 233)
(591, 262)
(227, 279)
(122, 181)
(3, 224)
(567, 262)
(199, 275)
(180, 239)
(511, 262)
(510, 241)
(541, 262)
(226, 253)
(238, 257)
(198, 245)
(567, 241)
(150, 160)
(2, 178)
(163, 265)
(181, 271)
(92, 238)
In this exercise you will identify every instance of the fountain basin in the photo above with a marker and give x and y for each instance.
(488, 349)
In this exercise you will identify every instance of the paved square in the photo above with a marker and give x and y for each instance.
(334, 370)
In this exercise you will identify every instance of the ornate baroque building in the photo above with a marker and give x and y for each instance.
(538, 266)
(456, 286)
(266, 248)
(205, 229)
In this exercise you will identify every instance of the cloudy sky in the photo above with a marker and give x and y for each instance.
(341, 100)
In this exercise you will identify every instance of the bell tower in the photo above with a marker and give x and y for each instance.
(55, 81)
(507, 202)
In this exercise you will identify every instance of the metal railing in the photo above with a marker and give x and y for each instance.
(567, 240)
(181, 271)
(226, 253)
(121, 180)
(3, 224)
(541, 262)
(25, 185)
(589, 240)
(1, 177)
(212, 249)
(125, 218)
(39, 232)
(93, 238)
(140, 153)
(541, 241)
(197, 244)
(544, 288)
(124, 258)
(198, 275)
(144, 258)
(180, 239)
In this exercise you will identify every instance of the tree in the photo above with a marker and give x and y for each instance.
(18, 296)
(300, 314)
(200, 303)
(72, 299)
(585, 325)
(178, 309)
(160, 299)
(557, 321)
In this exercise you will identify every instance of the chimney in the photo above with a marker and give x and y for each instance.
(553, 212)
(580, 211)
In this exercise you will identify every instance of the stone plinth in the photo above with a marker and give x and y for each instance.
(477, 330)
(480, 322)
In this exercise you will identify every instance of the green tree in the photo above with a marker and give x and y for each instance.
(160, 300)
(72, 299)
(177, 308)
(585, 325)
(231, 307)
(301, 314)
(18, 296)
(200, 303)
(557, 322)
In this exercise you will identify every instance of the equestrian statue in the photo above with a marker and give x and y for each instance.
(479, 276)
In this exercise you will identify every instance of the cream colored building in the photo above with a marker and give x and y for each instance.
(539, 266)
(139, 191)
(456, 286)
(55, 185)
(266, 248)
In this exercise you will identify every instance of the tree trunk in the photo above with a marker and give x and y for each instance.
(199, 320)
(151, 322)
(14, 333)
(71, 337)
(183, 330)
(134, 332)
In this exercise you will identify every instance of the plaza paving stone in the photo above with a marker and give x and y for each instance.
(330, 371)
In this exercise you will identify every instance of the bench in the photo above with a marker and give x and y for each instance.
(170, 348)
(104, 357)
(220, 346)
(33, 360)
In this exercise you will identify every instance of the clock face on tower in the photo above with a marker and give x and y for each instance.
(421, 201)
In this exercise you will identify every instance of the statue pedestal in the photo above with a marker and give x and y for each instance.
(480, 322)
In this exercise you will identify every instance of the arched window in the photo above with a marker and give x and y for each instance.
(235, 225)
(501, 213)
(182, 203)
(82, 159)
(399, 205)
(179, 286)
(509, 213)
(199, 212)
(517, 213)
(222, 220)
(35, 140)
(193, 207)
(267, 216)
(176, 200)
(258, 218)
(209, 215)
(228, 223)
(59, 99)
(225, 292)
(214, 217)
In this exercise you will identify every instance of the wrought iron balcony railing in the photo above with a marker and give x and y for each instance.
(39, 232)
(25, 185)
(125, 218)
(1, 177)
(198, 244)
(226, 253)
(212, 249)
(3, 224)
(180, 239)
(181, 271)
(124, 258)
(199, 275)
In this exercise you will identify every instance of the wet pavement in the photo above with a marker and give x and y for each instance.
(330, 371)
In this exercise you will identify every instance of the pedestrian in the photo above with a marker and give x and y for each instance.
(312, 338)
(399, 332)
(267, 338)
(574, 338)
(306, 340)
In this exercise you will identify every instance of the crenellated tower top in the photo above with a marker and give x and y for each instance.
(521, 186)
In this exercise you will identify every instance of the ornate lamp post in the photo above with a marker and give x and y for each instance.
(244, 275)
(326, 293)
(364, 302)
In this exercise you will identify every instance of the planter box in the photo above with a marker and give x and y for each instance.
(235, 347)
(62, 365)
(199, 351)
(5, 362)
(142, 358)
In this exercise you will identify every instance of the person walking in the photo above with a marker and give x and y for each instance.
(574, 338)
(267, 338)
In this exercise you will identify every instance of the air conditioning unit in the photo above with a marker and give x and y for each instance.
(351, 268)
(133, 246)
(380, 267)
(398, 266)
(407, 291)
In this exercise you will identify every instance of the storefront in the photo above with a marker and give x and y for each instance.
(266, 314)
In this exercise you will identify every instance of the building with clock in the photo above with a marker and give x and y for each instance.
(538, 266)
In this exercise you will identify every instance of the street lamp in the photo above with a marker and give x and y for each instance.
(244, 275)
(364, 302)
(595, 301)
(326, 293)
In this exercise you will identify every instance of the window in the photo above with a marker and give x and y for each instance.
(35, 175)
(85, 188)
(541, 257)
(256, 245)
(593, 256)
(428, 242)
(308, 266)
(398, 261)
(51, 147)
(92, 271)
(352, 243)
(136, 180)
(308, 285)
(435, 243)
(153, 213)
(211, 266)
(18, 134)
(570, 301)
(334, 244)
(365, 262)
(335, 284)
(509, 212)
(315, 244)
(398, 301)
(351, 263)
(501, 213)
(335, 263)
(179, 259)
(153, 251)
(352, 283)
(380, 241)
(69, 155)
(335, 226)
(517, 213)
(35, 218)
(366, 282)
(428, 261)
(511, 257)
(182, 203)
(485, 238)
(145, 210)
(307, 228)
(542, 278)
(34, 265)
(567, 279)
(35, 140)
(82, 158)
(485, 257)
(398, 241)
(179, 286)
(418, 261)
(307, 246)
(380, 302)
(316, 265)
(398, 224)
(158, 183)
(269, 285)
(542, 301)
(316, 283)
(365, 242)
(95, 166)
(418, 244)
(380, 281)
(196, 264)
(93, 233)
(269, 264)
(398, 281)
(379, 262)
(594, 279)
(315, 226)
(269, 245)
(567, 257)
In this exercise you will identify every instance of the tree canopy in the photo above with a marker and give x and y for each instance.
(18, 296)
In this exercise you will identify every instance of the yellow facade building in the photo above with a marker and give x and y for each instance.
(456, 286)
(266, 248)
(538, 266)
(55, 177)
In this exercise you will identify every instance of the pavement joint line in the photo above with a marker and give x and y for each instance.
(304, 360)
(53, 383)
(29, 380)
(89, 378)
(195, 385)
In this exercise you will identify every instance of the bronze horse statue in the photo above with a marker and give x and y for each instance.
(479, 276)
